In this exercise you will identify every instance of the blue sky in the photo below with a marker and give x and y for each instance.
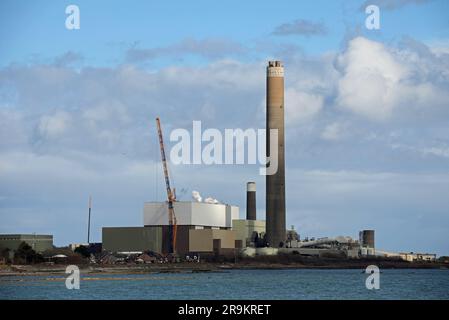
(367, 111)
(36, 28)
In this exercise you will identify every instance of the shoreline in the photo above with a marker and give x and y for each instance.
(203, 267)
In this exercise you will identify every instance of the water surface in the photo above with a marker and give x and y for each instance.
(235, 284)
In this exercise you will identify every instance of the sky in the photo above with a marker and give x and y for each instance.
(367, 112)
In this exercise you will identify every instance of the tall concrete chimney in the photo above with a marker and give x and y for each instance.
(275, 184)
(251, 201)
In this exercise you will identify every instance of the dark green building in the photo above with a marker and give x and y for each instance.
(132, 239)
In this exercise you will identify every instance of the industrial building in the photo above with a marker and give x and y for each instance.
(38, 242)
(366, 240)
(192, 217)
(177, 227)
(201, 227)
(413, 257)
(132, 239)
(408, 256)
(192, 214)
(219, 242)
(196, 226)
(249, 233)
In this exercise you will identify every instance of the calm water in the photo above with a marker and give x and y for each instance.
(236, 284)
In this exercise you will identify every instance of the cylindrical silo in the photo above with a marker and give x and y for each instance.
(251, 201)
(275, 183)
(368, 238)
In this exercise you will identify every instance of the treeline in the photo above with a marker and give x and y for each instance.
(23, 255)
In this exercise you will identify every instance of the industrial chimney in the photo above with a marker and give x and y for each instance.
(275, 184)
(251, 201)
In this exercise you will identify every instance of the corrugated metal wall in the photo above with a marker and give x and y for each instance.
(128, 239)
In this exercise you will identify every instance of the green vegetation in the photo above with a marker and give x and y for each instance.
(5, 253)
(26, 255)
(83, 250)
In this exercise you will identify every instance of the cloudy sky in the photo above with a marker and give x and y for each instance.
(367, 112)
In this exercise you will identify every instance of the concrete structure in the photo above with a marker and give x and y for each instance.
(292, 235)
(206, 220)
(426, 257)
(211, 241)
(412, 257)
(191, 214)
(182, 238)
(245, 231)
(338, 247)
(365, 252)
(366, 239)
(251, 201)
(275, 183)
(38, 242)
(265, 251)
(317, 252)
(407, 256)
(132, 239)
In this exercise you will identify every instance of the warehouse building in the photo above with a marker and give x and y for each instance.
(132, 239)
(38, 242)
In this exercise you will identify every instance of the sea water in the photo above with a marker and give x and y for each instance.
(235, 284)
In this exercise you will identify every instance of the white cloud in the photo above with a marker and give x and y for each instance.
(371, 77)
(379, 82)
(301, 106)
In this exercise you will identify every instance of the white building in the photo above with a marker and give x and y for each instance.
(410, 256)
(188, 213)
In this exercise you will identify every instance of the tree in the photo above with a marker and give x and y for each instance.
(26, 254)
(83, 250)
(5, 253)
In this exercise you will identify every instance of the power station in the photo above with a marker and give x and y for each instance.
(173, 228)
(197, 226)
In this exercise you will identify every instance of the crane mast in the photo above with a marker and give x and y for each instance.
(171, 196)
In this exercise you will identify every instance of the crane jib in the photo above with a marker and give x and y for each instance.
(172, 230)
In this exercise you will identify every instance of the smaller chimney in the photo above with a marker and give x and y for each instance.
(251, 201)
